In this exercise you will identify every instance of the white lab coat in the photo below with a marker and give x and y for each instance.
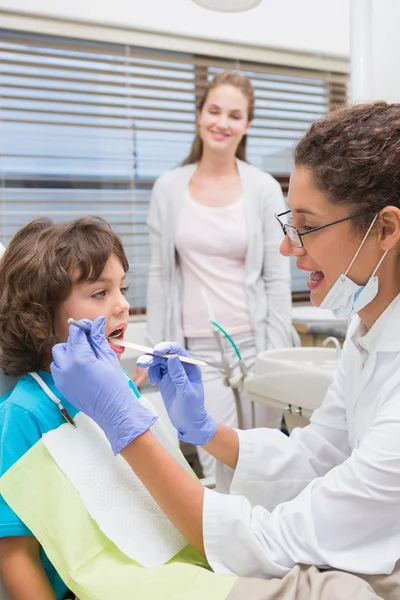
(330, 494)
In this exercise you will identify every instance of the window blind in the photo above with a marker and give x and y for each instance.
(86, 128)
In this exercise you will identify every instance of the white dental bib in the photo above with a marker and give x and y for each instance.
(113, 495)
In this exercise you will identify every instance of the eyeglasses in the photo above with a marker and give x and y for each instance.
(294, 234)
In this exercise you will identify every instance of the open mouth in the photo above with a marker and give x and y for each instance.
(315, 279)
(116, 334)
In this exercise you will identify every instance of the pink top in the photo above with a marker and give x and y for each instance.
(212, 244)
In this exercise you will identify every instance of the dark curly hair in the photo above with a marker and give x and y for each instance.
(353, 155)
(36, 276)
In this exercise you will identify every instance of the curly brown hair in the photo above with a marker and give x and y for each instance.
(244, 84)
(36, 276)
(353, 155)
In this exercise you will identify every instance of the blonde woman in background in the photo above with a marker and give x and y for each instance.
(212, 227)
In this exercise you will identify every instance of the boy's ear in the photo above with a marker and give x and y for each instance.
(39, 333)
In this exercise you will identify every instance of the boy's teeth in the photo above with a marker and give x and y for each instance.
(116, 333)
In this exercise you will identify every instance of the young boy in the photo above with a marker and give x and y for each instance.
(49, 273)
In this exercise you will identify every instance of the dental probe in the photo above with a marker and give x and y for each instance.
(140, 348)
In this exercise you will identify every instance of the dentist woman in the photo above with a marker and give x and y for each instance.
(328, 495)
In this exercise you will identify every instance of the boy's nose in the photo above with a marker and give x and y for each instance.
(122, 306)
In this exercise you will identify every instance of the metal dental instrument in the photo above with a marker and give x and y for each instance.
(145, 349)
(231, 379)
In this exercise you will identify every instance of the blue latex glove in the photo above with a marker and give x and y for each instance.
(182, 390)
(88, 374)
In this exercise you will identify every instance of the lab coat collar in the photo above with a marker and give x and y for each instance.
(384, 335)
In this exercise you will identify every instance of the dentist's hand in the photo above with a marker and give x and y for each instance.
(88, 374)
(182, 390)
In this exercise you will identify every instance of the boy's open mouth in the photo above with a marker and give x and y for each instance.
(116, 334)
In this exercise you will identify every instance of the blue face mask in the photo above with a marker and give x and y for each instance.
(346, 297)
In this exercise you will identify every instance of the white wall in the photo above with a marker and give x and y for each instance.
(318, 26)
(386, 50)
(375, 50)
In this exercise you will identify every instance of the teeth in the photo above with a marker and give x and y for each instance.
(116, 333)
(316, 277)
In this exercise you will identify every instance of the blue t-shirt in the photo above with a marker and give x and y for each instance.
(26, 413)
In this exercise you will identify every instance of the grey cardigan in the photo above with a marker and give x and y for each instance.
(267, 273)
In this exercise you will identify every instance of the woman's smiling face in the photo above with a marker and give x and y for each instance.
(327, 253)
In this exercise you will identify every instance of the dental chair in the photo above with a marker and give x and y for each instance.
(6, 384)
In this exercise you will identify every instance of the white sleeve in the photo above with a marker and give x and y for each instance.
(155, 293)
(276, 271)
(348, 519)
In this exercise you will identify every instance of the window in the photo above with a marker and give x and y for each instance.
(86, 128)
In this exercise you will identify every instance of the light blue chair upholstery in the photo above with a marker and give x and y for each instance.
(6, 383)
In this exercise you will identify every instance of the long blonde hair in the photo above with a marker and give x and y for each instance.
(244, 85)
